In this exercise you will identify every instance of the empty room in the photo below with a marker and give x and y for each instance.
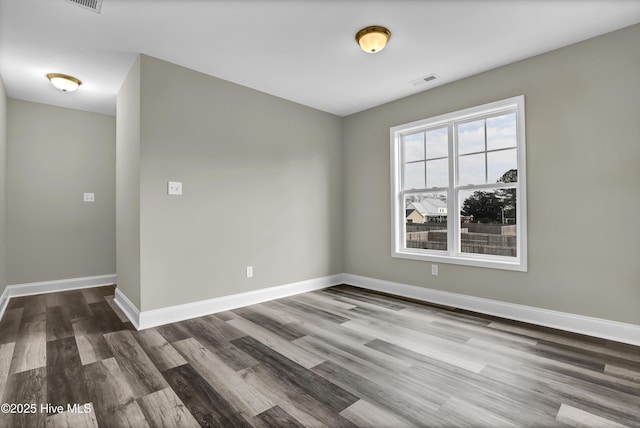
(319, 213)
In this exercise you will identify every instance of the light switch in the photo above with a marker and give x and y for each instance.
(174, 188)
(89, 197)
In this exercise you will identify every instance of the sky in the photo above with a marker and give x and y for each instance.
(481, 159)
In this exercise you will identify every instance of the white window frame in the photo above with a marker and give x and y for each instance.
(453, 254)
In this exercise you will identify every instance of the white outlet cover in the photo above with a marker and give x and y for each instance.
(89, 197)
(174, 188)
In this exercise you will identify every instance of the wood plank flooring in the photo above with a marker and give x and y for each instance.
(340, 357)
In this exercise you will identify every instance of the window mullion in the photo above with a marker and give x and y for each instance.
(424, 147)
(452, 194)
(403, 228)
(497, 185)
(425, 190)
(486, 157)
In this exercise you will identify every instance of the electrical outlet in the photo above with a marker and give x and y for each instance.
(174, 188)
(89, 197)
(434, 270)
(249, 271)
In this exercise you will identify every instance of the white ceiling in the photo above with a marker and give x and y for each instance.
(301, 50)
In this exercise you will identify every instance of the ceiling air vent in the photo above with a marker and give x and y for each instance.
(423, 80)
(92, 5)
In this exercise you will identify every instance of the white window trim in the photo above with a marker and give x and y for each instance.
(398, 227)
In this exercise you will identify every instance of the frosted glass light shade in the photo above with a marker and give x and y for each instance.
(373, 39)
(64, 82)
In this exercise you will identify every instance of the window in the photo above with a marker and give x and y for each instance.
(459, 187)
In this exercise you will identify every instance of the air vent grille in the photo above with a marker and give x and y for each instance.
(92, 5)
(424, 79)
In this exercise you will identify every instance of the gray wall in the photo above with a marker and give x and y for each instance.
(128, 186)
(282, 187)
(582, 132)
(54, 156)
(3, 187)
(262, 181)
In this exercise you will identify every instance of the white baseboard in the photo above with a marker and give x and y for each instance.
(597, 327)
(4, 301)
(156, 317)
(129, 309)
(32, 288)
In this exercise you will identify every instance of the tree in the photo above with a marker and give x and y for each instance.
(510, 176)
(508, 196)
(485, 207)
(488, 207)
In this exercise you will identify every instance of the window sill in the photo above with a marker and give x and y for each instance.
(495, 262)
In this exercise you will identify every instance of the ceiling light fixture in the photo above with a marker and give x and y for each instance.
(373, 39)
(64, 82)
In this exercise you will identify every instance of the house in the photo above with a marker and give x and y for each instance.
(273, 105)
(426, 210)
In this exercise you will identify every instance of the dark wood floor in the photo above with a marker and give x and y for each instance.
(340, 357)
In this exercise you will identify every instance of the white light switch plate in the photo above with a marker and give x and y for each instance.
(174, 188)
(89, 197)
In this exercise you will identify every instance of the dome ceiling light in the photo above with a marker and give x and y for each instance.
(373, 39)
(64, 82)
